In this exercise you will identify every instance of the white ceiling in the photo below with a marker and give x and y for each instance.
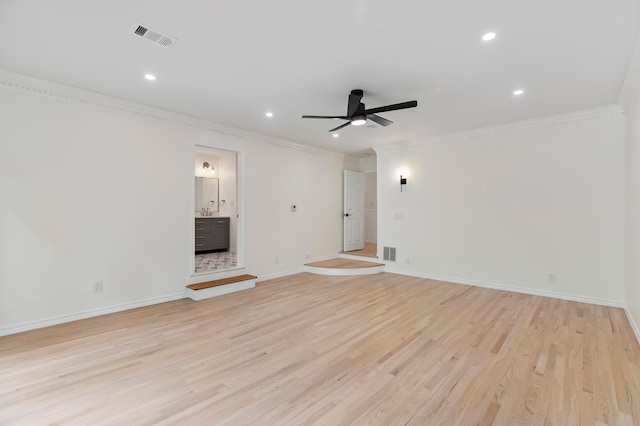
(235, 60)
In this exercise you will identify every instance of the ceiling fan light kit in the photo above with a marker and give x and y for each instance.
(358, 121)
(358, 115)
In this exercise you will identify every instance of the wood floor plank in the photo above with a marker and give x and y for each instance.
(312, 349)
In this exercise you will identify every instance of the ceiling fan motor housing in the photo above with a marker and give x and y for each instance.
(357, 114)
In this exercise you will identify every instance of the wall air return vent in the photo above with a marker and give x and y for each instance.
(150, 34)
(389, 253)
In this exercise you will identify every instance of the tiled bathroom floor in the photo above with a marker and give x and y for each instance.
(215, 261)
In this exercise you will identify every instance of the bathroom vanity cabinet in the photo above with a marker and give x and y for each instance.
(212, 233)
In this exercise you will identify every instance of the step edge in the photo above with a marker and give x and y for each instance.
(218, 283)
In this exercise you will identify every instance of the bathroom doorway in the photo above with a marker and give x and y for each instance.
(216, 211)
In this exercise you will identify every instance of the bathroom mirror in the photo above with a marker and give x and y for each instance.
(206, 195)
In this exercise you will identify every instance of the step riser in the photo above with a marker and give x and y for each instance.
(344, 271)
(219, 290)
(362, 258)
(210, 276)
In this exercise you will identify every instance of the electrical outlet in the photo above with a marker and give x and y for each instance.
(552, 277)
(276, 260)
(407, 260)
(97, 286)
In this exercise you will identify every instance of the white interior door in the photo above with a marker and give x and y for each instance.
(353, 210)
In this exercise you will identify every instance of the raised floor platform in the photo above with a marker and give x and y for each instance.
(342, 266)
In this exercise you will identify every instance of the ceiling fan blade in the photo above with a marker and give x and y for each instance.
(402, 105)
(340, 127)
(354, 102)
(325, 116)
(380, 120)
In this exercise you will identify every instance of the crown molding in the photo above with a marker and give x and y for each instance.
(518, 126)
(42, 87)
(631, 84)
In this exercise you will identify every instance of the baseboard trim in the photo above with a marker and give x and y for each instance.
(634, 326)
(279, 274)
(523, 290)
(32, 325)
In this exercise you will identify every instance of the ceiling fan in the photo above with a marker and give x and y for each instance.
(357, 115)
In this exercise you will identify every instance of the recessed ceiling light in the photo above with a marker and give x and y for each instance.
(518, 92)
(150, 77)
(489, 36)
(268, 114)
(335, 135)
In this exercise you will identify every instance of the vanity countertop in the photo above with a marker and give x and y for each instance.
(211, 217)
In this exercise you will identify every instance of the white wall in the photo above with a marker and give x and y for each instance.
(633, 211)
(228, 193)
(509, 209)
(90, 193)
(370, 208)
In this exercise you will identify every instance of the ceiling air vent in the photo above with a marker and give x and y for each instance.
(153, 35)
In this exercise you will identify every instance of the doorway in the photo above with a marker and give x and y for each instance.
(216, 220)
(361, 213)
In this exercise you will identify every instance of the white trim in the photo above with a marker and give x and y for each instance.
(216, 275)
(32, 325)
(631, 84)
(361, 258)
(240, 222)
(220, 290)
(38, 86)
(634, 326)
(551, 121)
(344, 271)
(523, 290)
(21, 82)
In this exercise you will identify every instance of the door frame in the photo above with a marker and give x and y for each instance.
(240, 207)
(359, 211)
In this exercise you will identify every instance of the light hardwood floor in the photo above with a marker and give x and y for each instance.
(369, 250)
(310, 349)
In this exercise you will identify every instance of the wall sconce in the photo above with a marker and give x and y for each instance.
(403, 181)
(207, 168)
